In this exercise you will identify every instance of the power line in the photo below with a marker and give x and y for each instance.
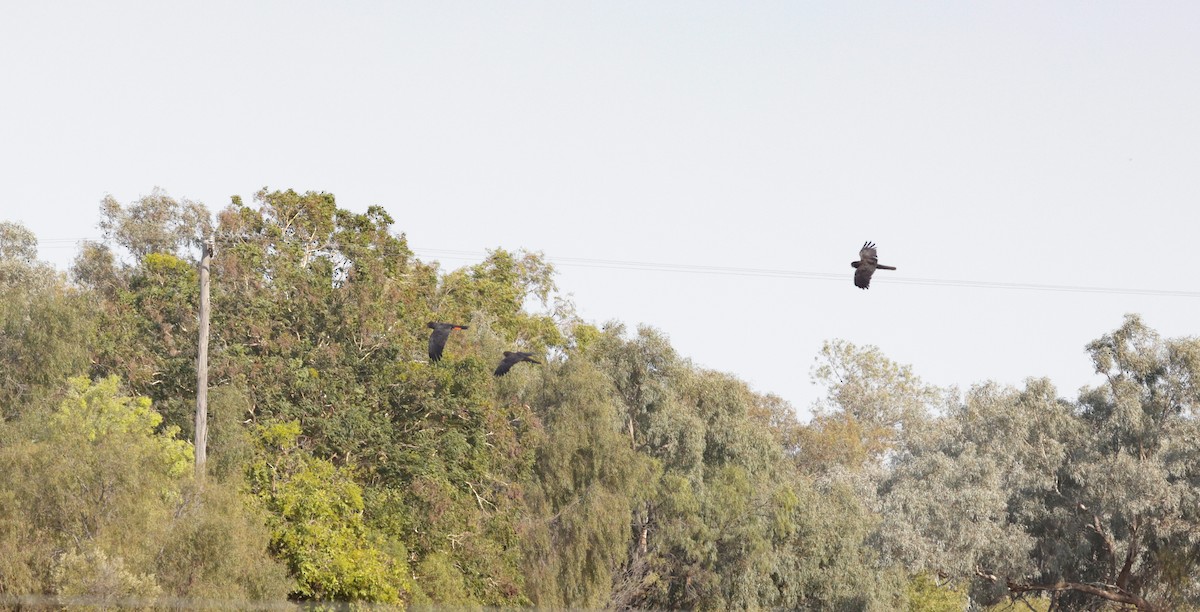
(63, 243)
(771, 273)
(647, 266)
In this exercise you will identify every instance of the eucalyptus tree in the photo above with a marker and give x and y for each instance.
(143, 287)
(155, 223)
(1019, 491)
(45, 324)
(322, 313)
(872, 407)
(18, 252)
(723, 520)
(318, 315)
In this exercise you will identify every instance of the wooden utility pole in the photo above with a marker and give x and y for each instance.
(201, 441)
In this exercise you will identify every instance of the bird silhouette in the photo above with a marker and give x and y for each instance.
(437, 340)
(511, 359)
(868, 262)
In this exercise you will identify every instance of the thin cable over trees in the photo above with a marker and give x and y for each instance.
(649, 266)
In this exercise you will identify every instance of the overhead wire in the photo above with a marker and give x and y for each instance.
(62, 243)
(773, 273)
(666, 267)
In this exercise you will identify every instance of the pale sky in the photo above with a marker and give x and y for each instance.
(1002, 142)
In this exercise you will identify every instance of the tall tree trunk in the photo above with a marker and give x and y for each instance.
(201, 440)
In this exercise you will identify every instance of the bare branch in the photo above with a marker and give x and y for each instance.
(1119, 597)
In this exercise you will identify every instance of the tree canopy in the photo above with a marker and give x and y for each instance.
(346, 467)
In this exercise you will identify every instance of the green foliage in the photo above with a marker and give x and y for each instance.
(872, 405)
(441, 577)
(156, 223)
(97, 414)
(95, 269)
(926, 594)
(231, 445)
(1023, 492)
(728, 522)
(317, 525)
(44, 328)
(346, 467)
(216, 549)
(19, 266)
(97, 504)
(149, 334)
(92, 577)
(1024, 603)
(17, 243)
(106, 470)
(586, 479)
(321, 314)
(500, 286)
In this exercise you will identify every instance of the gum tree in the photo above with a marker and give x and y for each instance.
(1024, 493)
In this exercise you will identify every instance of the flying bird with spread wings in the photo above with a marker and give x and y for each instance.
(868, 262)
(437, 340)
(511, 359)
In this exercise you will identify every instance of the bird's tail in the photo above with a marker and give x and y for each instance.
(883, 267)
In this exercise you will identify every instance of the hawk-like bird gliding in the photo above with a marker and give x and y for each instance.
(868, 262)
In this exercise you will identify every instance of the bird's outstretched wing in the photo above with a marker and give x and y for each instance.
(862, 276)
(868, 258)
(868, 253)
(868, 262)
(437, 342)
(506, 364)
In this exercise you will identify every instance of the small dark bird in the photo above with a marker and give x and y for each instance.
(868, 262)
(437, 340)
(511, 359)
